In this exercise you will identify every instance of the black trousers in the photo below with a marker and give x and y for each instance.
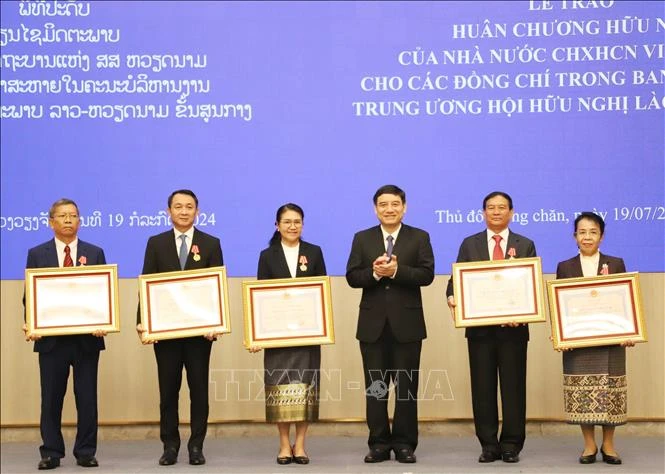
(192, 353)
(492, 360)
(384, 361)
(53, 374)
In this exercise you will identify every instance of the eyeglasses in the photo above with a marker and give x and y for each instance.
(289, 223)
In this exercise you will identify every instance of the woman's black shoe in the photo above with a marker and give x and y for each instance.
(588, 458)
(610, 459)
(285, 459)
(299, 459)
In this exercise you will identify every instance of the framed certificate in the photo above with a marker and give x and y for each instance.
(71, 300)
(184, 304)
(596, 311)
(288, 312)
(498, 292)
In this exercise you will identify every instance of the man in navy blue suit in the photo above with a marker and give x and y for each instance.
(57, 353)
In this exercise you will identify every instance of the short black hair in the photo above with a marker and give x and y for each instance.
(390, 189)
(592, 217)
(495, 194)
(183, 191)
(61, 202)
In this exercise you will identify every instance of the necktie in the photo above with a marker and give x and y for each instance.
(389, 247)
(498, 253)
(182, 254)
(68, 257)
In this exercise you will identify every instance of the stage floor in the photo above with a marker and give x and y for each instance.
(337, 454)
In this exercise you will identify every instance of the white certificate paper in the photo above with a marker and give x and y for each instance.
(184, 304)
(288, 312)
(71, 300)
(491, 293)
(281, 312)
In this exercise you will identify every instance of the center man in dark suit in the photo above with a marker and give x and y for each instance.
(390, 262)
(182, 248)
(497, 349)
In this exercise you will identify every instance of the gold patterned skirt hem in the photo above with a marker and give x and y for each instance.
(291, 403)
(597, 399)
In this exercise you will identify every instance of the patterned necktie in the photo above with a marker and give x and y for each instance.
(498, 253)
(389, 247)
(68, 257)
(182, 254)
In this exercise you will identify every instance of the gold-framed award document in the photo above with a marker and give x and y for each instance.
(184, 304)
(498, 292)
(71, 300)
(596, 311)
(288, 312)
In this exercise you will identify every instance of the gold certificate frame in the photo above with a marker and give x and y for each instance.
(596, 311)
(498, 292)
(184, 304)
(71, 300)
(288, 312)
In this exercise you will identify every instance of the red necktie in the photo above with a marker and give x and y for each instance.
(498, 253)
(68, 257)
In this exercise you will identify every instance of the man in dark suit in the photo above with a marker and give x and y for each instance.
(57, 353)
(497, 351)
(390, 262)
(182, 248)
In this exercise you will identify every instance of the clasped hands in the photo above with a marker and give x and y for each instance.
(211, 336)
(384, 267)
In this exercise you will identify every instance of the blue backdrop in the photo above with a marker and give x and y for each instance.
(251, 105)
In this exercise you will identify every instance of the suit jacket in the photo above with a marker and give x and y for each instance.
(272, 262)
(395, 300)
(161, 255)
(572, 267)
(45, 256)
(474, 249)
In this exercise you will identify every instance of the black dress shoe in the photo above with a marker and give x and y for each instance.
(169, 458)
(196, 457)
(588, 458)
(610, 459)
(405, 455)
(88, 461)
(285, 459)
(299, 459)
(378, 455)
(48, 463)
(510, 456)
(489, 456)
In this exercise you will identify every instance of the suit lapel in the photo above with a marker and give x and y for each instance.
(514, 243)
(602, 259)
(576, 267)
(481, 246)
(280, 261)
(81, 251)
(51, 254)
(403, 232)
(195, 241)
(380, 248)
